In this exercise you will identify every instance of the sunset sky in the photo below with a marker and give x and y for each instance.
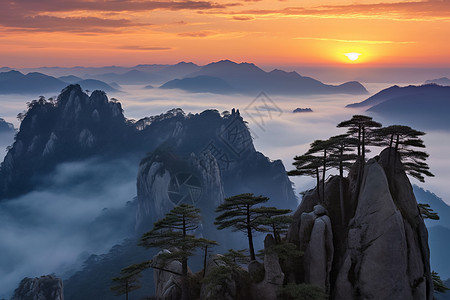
(266, 32)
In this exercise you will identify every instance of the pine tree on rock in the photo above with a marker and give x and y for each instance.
(308, 165)
(239, 213)
(401, 139)
(362, 128)
(274, 219)
(321, 148)
(128, 280)
(341, 157)
(175, 233)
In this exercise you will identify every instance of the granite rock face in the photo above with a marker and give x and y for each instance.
(41, 288)
(227, 290)
(376, 258)
(382, 251)
(166, 180)
(316, 240)
(203, 169)
(74, 126)
(167, 285)
(273, 275)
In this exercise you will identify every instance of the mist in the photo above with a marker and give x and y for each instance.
(80, 209)
(74, 212)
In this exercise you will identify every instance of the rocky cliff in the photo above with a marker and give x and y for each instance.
(218, 149)
(197, 158)
(202, 169)
(380, 249)
(41, 288)
(72, 127)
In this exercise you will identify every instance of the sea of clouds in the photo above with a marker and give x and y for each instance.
(54, 228)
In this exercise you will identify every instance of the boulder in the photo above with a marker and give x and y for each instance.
(167, 285)
(377, 264)
(316, 240)
(273, 275)
(227, 289)
(41, 288)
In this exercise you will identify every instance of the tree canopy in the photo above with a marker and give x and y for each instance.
(175, 232)
(238, 212)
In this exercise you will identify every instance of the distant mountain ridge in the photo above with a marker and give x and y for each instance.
(426, 105)
(247, 78)
(6, 127)
(15, 82)
(221, 77)
(440, 81)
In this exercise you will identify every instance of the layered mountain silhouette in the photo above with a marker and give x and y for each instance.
(229, 77)
(15, 82)
(6, 127)
(438, 230)
(427, 106)
(222, 77)
(440, 81)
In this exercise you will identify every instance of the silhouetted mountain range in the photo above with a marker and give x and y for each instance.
(200, 84)
(228, 77)
(440, 81)
(6, 127)
(427, 106)
(221, 77)
(15, 82)
(438, 231)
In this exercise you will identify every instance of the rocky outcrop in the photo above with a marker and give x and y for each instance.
(382, 253)
(201, 169)
(273, 275)
(316, 240)
(41, 288)
(227, 289)
(167, 284)
(56, 131)
(166, 180)
(217, 148)
(375, 266)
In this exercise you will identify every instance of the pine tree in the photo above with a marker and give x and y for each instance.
(129, 279)
(321, 148)
(275, 220)
(238, 212)
(308, 165)
(175, 232)
(341, 157)
(401, 139)
(362, 128)
(427, 212)
(439, 285)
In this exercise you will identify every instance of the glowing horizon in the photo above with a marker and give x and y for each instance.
(121, 32)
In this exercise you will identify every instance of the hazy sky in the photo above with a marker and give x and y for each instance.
(267, 32)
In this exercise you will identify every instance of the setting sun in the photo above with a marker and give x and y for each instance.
(352, 55)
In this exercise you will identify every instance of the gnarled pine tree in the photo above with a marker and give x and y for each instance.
(175, 233)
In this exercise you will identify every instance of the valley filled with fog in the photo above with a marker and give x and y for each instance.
(53, 221)
(277, 131)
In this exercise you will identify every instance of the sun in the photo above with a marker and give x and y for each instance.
(352, 55)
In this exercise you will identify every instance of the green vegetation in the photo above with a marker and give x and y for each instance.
(129, 279)
(245, 213)
(239, 213)
(301, 291)
(439, 285)
(427, 212)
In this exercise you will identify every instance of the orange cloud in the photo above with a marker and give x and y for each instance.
(418, 10)
(40, 15)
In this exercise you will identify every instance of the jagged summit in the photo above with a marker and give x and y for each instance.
(76, 126)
